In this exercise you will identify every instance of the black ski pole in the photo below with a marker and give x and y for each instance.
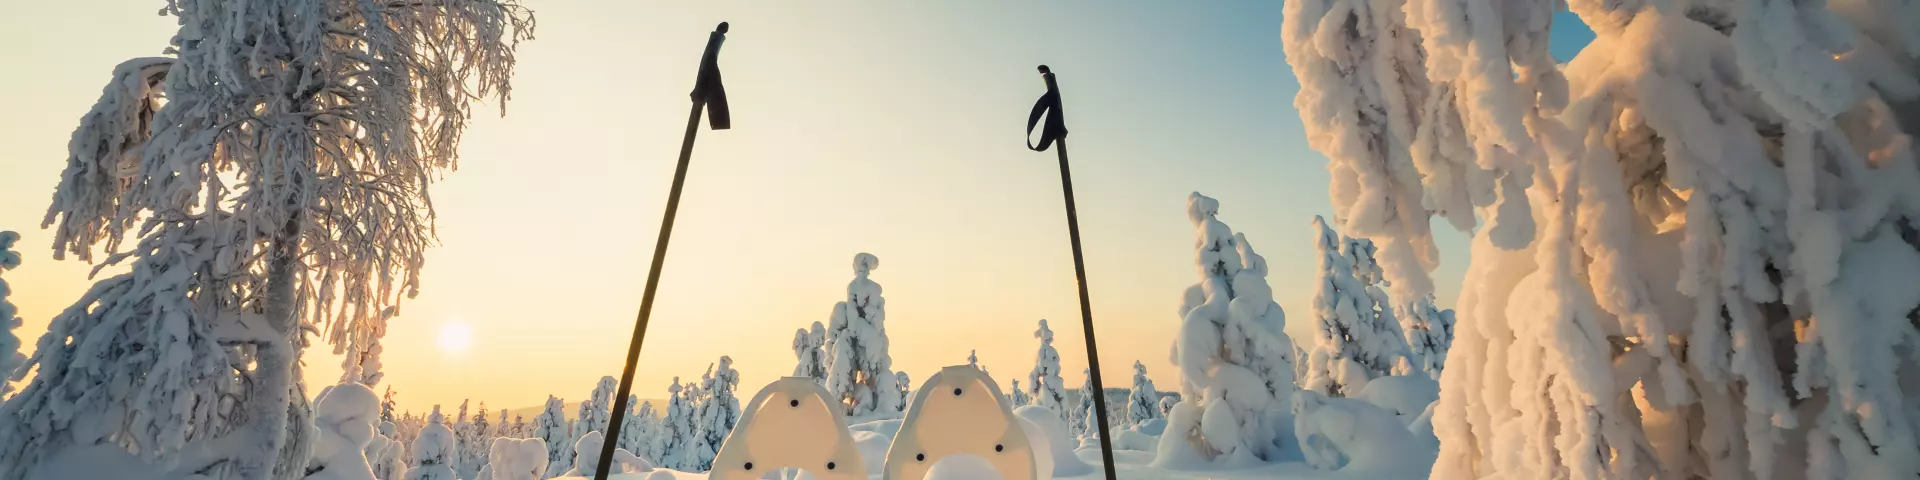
(708, 93)
(1055, 130)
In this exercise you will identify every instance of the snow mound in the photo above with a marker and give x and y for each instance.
(1352, 436)
(873, 448)
(1060, 443)
(1151, 427)
(1404, 396)
(962, 466)
(343, 421)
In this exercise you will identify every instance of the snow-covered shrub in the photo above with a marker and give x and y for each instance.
(1235, 357)
(1356, 437)
(517, 459)
(434, 452)
(1356, 337)
(809, 349)
(904, 386)
(1699, 228)
(1143, 402)
(1017, 397)
(343, 418)
(1049, 390)
(10, 357)
(1081, 419)
(859, 371)
(551, 428)
(1404, 396)
(475, 437)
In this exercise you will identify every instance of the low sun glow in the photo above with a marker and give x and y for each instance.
(455, 337)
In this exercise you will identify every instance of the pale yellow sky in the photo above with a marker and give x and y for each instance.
(884, 127)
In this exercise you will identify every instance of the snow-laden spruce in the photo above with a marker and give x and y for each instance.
(1235, 358)
(597, 409)
(809, 348)
(1143, 402)
(1081, 419)
(434, 451)
(1044, 381)
(719, 412)
(1429, 332)
(475, 438)
(859, 370)
(280, 187)
(10, 357)
(1702, 265)
(551, 428)
(678, 428)
(639, 431)
(1016, 396)
(1356, 337)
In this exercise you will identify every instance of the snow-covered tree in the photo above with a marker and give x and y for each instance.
(1143, 402)
(597, 409)
(517, 459)
(280, 187)
(719, 412)
(904, 386)
(551, 428)
(434, 452)
(1080, 420)
(520, 427)
(859, 371)
(1429, 332)
(1047, 388)
(1235, 358)
(1357, 337)
(387, 405)
(475, 439)
(640, 431)
(10, 357)
(809, 348)
(678, 429)
(1699, 252)
(1018, 397)
(500, 428)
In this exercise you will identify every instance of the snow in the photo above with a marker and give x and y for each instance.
(550, 427)
(1356, 437)
(962, 467)
(433, 452)
(1357, 338)
(1048, 389)
(1060, 442)
(10, 357)
(1406, 396)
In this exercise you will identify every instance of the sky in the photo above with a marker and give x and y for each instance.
(892, 128)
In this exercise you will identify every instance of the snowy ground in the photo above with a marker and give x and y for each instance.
(1132, 466)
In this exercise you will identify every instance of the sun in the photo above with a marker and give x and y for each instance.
(455, 337)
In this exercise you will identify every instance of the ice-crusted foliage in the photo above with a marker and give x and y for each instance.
(1017, 397)
(285, 175)
(551, 428)
(1357, 337)
(1716, 277)
(10, 357)
(1429, 332)
(859, 370)
(343, 419)
(1236, 360)
(1048, 389)
(1143, 402)
(1081, 419)
(475, 436)
(809, 349)
(904, 386)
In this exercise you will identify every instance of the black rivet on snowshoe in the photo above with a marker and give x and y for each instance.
(829, 465)
(793, 403)
(749, 466)
(956, 392)
(921, 457)
(999, 448)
